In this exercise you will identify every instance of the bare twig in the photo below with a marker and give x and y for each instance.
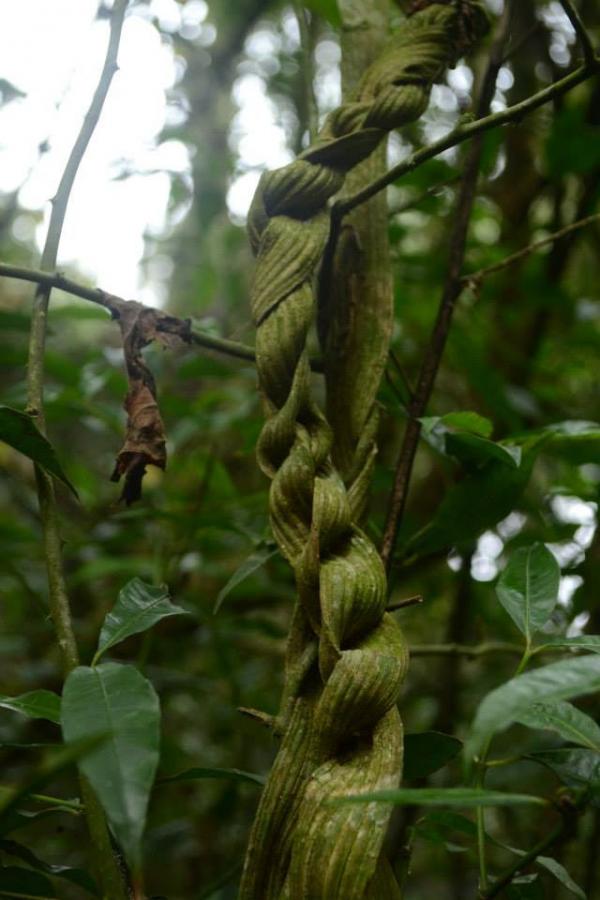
(466, 132)
(450, 294)
(105, 863)
(475, 278)
(116, 304)
(404, 604)
(489, 648)
(589, 52)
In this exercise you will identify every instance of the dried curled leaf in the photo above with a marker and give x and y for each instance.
(145, 442)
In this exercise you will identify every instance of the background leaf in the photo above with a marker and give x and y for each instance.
(328, 9)
(18, 430)
(139, 607)
(196, 774)
(528, 588)
(256, 559)
(119, 701)
(427, 752)
(564, 718)
(576, 768)
(17, 882)
(35, 704)
(557, 681)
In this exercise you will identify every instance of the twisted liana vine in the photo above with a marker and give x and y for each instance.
(346, 658)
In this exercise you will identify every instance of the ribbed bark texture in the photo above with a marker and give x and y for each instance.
(346, 659)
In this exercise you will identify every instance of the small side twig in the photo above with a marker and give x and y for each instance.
(405, 604)
(475, 278)
(589, 52)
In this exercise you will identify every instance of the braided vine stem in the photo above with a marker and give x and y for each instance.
(346, 658)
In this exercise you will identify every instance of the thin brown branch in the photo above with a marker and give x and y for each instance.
(451, 292)
(116, 305)
(589, 52)
(466, 132)
(104, 860)
(475, 278)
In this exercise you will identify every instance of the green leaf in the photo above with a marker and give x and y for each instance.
(139, 607)
(564, 718)
(466, 797)
(328, 9)
(18, 430)
(258, 558)
(117, 700)
(35, 704)
(561, 874)
(199, 773)
(528, 588)
(427, 752)
(471, 506)
(76, 876)
(470, 448)
(557, 681)
(576, 768)
(583, 642)
(576, 441)
(16, 883)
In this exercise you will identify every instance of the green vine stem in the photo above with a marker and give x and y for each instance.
(105, 864)
(356, 300)
(346, 658)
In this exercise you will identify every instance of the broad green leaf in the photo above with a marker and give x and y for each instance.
(589, 642)
(199, 773)
(35, 704)
(576, 768)
(256, 559)
(328, 9)
(528, 588)
(19, 431)
(16, 882)
(557, 681)
(116, 700)
(139, 607)
(471, 448)
(76, 876)
(466, 797)
(564, 718)
(427, 752)
(471, 506)
(436, 429)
